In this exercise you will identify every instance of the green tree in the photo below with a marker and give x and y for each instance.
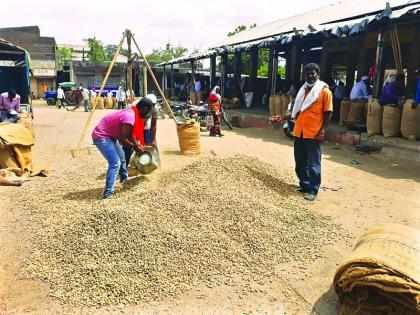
(63, 55)
(111, 49)
(96, 52)
(164, 54)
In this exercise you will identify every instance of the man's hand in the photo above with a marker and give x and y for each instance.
(153, 144)
(138, 148)
(321, 135)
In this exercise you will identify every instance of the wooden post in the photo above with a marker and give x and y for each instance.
(172, 81)
(350, 73)
(144, 81)
(295, 63)
(130, 68)
(378, 63)
(213, 79)
(413, 64)
(95, 102)
(270, 70)
(253, 58)
(237, 73)
(164, 79)
(324, 64)
(224, 73)
(275, 70)
(155, 81)
(362, 61)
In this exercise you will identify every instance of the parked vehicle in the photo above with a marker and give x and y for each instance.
(289, 125)
(51, 96)
(14, 72)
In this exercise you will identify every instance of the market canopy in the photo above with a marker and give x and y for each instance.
(346, 18)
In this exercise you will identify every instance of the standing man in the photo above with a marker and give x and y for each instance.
(120, 97)
(359, 92)
(86, 101)
(312, 111)
(78, 97)
(43, 89)
(60, 97)
(9, 106)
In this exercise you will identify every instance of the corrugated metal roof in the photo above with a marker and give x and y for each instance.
(348, 17)
(335, 12)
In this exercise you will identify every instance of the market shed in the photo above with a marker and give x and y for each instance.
(352, 38)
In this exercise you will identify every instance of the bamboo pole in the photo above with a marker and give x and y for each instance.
(130, 67)
(76, 152)
(155, 81)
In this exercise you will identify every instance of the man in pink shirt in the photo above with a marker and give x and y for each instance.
(9, 106)
(114, 130)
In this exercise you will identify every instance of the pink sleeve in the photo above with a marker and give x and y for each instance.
(128, 117)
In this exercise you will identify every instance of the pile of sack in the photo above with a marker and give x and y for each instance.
(382, 275)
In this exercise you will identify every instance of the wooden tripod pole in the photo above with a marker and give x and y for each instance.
(130, 67)
(76, 152)
(155, 81)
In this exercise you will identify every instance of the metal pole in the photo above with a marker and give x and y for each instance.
(76, 152)
(172, 81)
(130, 68)
(144, 81)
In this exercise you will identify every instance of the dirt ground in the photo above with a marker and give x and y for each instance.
(356, 196)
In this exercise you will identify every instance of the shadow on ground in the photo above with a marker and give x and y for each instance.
(327, 304)
(96, 193)
(374, 163)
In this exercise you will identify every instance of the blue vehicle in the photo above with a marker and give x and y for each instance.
(51, 96)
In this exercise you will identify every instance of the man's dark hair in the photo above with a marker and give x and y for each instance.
(312, 66)
(144, 103)
(11, 93)
(400, 77)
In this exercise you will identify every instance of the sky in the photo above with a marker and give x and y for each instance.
(193, 24)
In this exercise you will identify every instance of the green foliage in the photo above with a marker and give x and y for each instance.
(166, 53)
(240, 28)
(97, 52)
(111, 49)
(63, 55)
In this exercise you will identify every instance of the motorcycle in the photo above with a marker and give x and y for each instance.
(158, 107)
(289, 124)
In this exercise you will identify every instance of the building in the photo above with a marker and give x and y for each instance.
(79, 52)
(42, 51)
(350, 38)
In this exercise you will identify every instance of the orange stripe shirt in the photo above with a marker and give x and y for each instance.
(309, 122)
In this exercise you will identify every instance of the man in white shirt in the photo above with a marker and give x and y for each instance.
(120, 97)
(86, 102)
(360, 90)
(60, 97)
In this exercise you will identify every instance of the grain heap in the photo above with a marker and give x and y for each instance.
(210, 221)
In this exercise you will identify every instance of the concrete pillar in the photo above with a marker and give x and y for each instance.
(296, 62)
(224, 73)
(172, 81)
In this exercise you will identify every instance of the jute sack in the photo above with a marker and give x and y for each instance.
(277, 104)
(374, 118)
(100, 103)
(382, 274)
(109, 104)
(271, 106)
(357, 111)
(391, 121)
(408, 121)
(344, 112)
(200, 97)
(26, 121)
(193, 98)
(285, 100)
(189, 138)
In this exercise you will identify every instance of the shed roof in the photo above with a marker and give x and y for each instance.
(347, 17)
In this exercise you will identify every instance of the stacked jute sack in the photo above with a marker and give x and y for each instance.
(353, 111)
(278, 104)
(388, 120)
(382, 275)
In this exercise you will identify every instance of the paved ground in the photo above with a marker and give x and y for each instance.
(357, 196)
